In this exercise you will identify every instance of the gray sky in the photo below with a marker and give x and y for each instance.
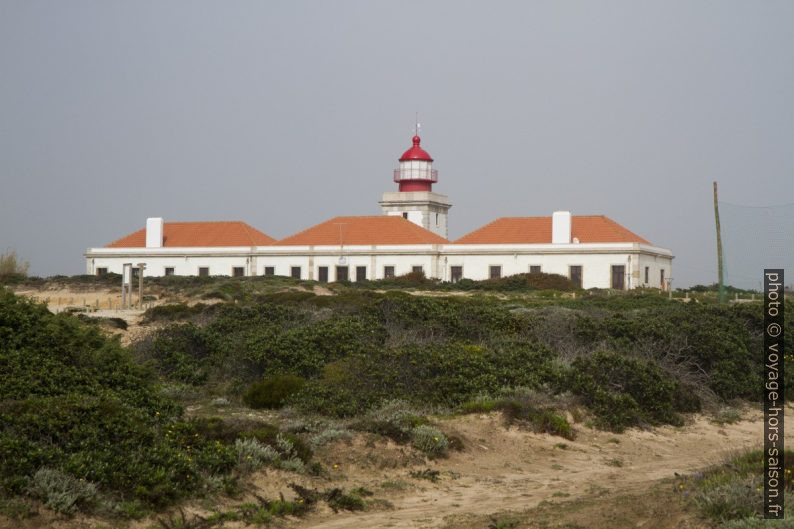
(286, 113)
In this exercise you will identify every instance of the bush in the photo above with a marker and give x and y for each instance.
(286, 444)
(440, 373)
(180, 352)
(73, 401)
(273, 391)
(251, 454)
(541, 420)
(394, 419)
(733, 492)
(171, 312)
(733, 500)
(61, 492)
(12, 268)
(624, 391)
(429, 440)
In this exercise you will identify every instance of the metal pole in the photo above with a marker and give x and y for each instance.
(141, 267)
(720, 283)
(124, 285)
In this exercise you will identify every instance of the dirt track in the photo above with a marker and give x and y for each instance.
(512, 470)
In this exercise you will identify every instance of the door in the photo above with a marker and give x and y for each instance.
(323, 274)
(295, 272)
(619, 277)
(456, 273)
(361, 273)
(575, 273)
(342, 273)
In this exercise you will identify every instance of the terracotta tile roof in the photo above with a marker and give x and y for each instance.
(537, 230)
(202, 234)
(381, 229)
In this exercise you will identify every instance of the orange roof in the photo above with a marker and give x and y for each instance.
(382, 229)
(537, 230)
(203, 234)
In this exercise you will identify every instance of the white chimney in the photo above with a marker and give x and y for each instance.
(561, 227)
(154, 232)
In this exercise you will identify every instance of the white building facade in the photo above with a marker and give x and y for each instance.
(409, 236)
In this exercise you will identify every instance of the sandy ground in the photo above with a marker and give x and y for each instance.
(599, 476)
(508, 469)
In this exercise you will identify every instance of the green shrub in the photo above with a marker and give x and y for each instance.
(273, 391)
(180, 352)
(338, 500)
(440, 373)
(73, 401)
(733, 500)
(394, 419)
(171, 312)
(732, 493)
(61, 492)
(288, 445)
(541, 420)
(429, 440)
(251, 454)
(626, 391)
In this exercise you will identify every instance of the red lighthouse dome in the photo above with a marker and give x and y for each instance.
(416, 152)
(416, 171)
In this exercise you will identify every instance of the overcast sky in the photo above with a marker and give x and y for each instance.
(283, 114)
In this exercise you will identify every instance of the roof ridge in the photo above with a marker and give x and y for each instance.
(377, 232)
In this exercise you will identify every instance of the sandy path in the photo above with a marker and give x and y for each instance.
(513, 470)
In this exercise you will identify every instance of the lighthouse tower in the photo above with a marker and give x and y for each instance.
(415, 199)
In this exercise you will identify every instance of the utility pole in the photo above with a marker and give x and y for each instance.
(720, 283)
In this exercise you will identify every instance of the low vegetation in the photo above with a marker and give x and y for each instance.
(731, 495)
(89, 425)
(12, 268)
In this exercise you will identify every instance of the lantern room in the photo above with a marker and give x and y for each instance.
(416, 171)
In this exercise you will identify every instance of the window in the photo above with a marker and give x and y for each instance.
(455, 273)
(204, 271)
(295, 272)
(436, 219)
(418, 270)
(238, 271)
(388, 272)
(534, 269)
(322, 275)
(405, 214)
(361, 273)
(270, 270)
(494, 271)
(618, 277)
(661, 279)
(169, 270)
(342, 273)
(647, 270)
(575, 275)
(101, 271)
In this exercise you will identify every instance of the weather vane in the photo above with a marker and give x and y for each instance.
(417, 125)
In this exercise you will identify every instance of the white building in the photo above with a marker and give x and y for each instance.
(410, 235)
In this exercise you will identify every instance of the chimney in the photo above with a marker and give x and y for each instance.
(561, 227)
(154, 232)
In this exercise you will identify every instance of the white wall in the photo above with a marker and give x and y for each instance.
(183, 265)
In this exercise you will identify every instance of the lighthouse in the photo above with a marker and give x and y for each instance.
(415, 200)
